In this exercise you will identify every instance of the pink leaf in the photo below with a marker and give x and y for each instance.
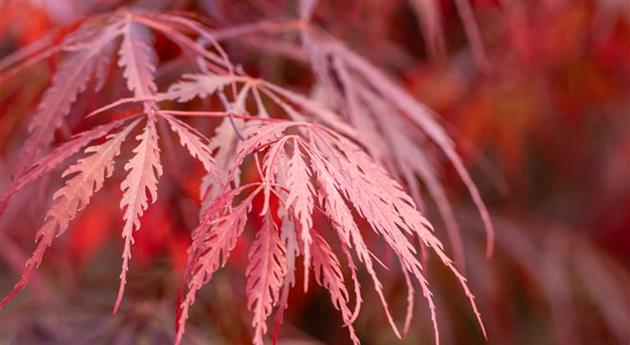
(197, 85)
(223, 144)
(69, 81)
(88, 176)
(53, 159)
(265, 275)
(137, 59)
(428, 13)
(213, 240)
(257, 136)
(192, 140)
(347, 230)
(144, 169)
(423, 118)
(327, 271)
(306, 8)
(300, 201)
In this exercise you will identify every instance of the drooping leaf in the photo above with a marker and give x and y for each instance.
(137, 59)
(428, 13)
(68, 82)
(265, 275)
(328, 273)
(144, 169)
(87, 178)
(54, 158)
(422, 117)
(303, 164)
(300, 201)
(193, 142)
(213, 240)
(223, 145)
